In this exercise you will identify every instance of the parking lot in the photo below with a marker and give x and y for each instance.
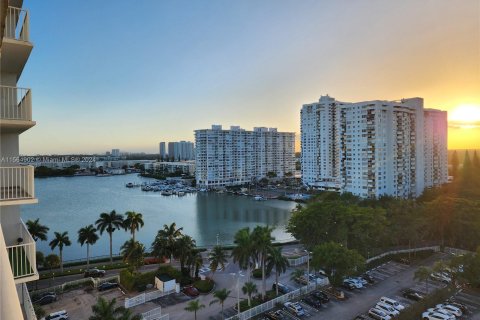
(390, 279)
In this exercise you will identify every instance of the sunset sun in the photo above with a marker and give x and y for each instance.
(466, 115)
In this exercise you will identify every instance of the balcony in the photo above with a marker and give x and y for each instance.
(17, 185)
(22, 256)
(15, 109)
(16, 45)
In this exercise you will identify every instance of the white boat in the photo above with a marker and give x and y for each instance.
(180, 193)
(259, 198)
(166, 193)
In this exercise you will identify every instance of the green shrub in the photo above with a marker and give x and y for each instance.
(257, 273)
(204, 286)
(135, 280)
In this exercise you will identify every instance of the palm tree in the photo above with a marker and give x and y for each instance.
(262, 238)
(61, 240)
(89, 236)
(109, 222)
(423, 274)
(194, 306)
(244, 251)
(183, 248)
(278, 261)
(217, 258)
(37, 230)
(106, 310)
(133, 253)
(195, 261)
(220, 297)
(133, 222)
(249, 288)
(297, 273)
(167, 238)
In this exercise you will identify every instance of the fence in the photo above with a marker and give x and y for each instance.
(250, 313)
(27, 304)
(155, 314)
(298, 261)
(74, 284)
(145, 297)
(434, 248)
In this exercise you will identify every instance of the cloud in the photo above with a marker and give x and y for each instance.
(464, 124)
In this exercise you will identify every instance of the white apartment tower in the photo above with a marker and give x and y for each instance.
(17, 248)
(181, 151)
(373, 148)
(237, 156)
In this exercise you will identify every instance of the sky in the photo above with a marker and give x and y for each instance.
(129, 74)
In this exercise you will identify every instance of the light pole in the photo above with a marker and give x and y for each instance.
(217, 239)
(308, 267)
(238, 275)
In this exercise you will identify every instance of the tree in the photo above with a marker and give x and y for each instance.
(133, 222)
(195, 261)
(183, 248)
(194, 306)
(249, 288)
(37, 230)
(106, 310)
(423, 274)
(271, 174)
(337, 260)
(87, 235)
(455, 163)
(262, 238)
(60, 240)
(278, 261)
(133, 253)
(39, 312)
(109, 222)
(166, 239)
(244, 252)
(476, 160)
(297, 273)
(220, 297)
(51, 261)
(217, 259)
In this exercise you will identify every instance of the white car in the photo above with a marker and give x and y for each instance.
(452, 309)
(442, 277)
(358, 284)
(392, 303)
(59, 315)
(378, 314)
(391, 311)
(295, 308)
(442, 311)
(436, 316)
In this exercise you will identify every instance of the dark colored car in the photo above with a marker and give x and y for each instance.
(107, 285)
(322, 296)
(46, 299)
(94, 273)
(275, 315)
(368, 278)
(191, 291)
(281, 288)
(313, 302)
(348, 285)
(412, 295)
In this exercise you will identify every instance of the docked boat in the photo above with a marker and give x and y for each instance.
(129, 185)
(103, 175)
(259, 198)
(166, 193)
(180, 193)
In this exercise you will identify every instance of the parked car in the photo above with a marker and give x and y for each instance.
(191, 291)
(295, 308)
(436, 316)
(442, 277)
(378, 314)
(59, 315)
(348, 285)
(368, 278)
(46, 299)
(442, 311)
(107, 285)
(362, 317)
(275, 315)
(322, 296)
(412, 294)
(392, 303)
(459, 305)
(450, 308)
(357, 283)
(391, 311)
(312, 301)
(94, 273)
(281, 288)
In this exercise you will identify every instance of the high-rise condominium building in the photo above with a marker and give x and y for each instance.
(115, 152)
(236, 156)
(17, 247)
(373, 148)
(163, 150)
(180, 151)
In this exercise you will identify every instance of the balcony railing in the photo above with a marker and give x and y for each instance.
(27, 304)
(22, 256)
(17, 24)
(16, 183)
(15, 103)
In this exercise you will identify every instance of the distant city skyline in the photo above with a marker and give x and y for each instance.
(100, 83)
